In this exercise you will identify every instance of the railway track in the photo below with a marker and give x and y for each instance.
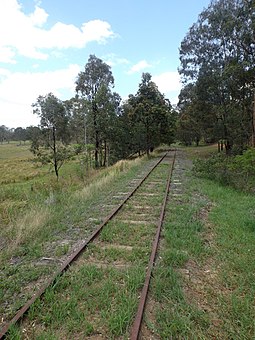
(117, 259)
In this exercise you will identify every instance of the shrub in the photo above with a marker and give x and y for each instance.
(237, 171)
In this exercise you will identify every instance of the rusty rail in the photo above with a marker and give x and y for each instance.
(20, 314)
(135, 330)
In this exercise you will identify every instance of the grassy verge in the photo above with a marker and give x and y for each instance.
(203, 285)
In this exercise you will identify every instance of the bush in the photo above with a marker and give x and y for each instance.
(237, 171)
(214, 167)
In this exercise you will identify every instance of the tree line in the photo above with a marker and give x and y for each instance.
(217, 58)
(18, 134)
(97, 124)
(216, 103)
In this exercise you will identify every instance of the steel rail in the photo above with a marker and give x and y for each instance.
(135, 329)
(20, 314)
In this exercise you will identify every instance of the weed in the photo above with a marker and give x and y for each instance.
(62, 250)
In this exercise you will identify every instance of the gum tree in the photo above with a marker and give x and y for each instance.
(51, 145)
(94, 85)
(152, 115)
(218, 56)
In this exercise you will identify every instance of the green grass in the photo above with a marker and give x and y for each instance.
(233, 218)
(15, 150)
(201, 151)
(175, 317)
(203, 286)
(89, 299)
(110, 296)
(38, 214)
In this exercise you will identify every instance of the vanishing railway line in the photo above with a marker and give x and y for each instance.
(110, 271)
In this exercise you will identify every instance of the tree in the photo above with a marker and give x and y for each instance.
(218, 56)
(50, 146)
(152, 115)
(20, 134)
(5, 134)
(78, 123)
(92, 84)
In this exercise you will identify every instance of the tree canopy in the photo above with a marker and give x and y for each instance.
(94, 86)
(50, 144)
(217, 57)
(151, 116)
(97, 119)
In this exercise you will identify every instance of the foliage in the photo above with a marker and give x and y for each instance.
(49, 144)
(151, 117)
(237, 171)
(96, 117)
(93, 85)
(48, 156)
(217, 66)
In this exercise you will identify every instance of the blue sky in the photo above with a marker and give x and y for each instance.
(45, 44)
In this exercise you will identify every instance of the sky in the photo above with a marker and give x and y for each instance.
(45, 44)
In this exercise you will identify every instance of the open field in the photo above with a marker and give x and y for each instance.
(203, 283)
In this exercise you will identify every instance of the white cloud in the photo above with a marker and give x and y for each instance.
(141, 65)
(112, 59)
(169, 83)
(39, 17)
(19, 90)
(24, 34)
(7, 55)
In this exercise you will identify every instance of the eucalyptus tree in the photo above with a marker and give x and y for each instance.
(218, 54)
(51, 145)
(78, 123)
(109, 109)
(5, 134)
(93, 84)
(152, 115)
(20, 134)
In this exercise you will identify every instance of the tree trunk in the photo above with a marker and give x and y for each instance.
(147, 140)
(55, 151)
(96, 135)
(108, 155)
(105, 153)
(96, 152)
(253, 123)
(228, 147)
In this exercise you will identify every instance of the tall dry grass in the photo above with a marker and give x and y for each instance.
(106, 177)
(26, 227)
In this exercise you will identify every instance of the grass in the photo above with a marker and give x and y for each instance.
(111, 300)
(234, 220)
(41, 218)
(106, 304)
(201, 151)
(175, 317)
(99, 295)
(203, 286)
